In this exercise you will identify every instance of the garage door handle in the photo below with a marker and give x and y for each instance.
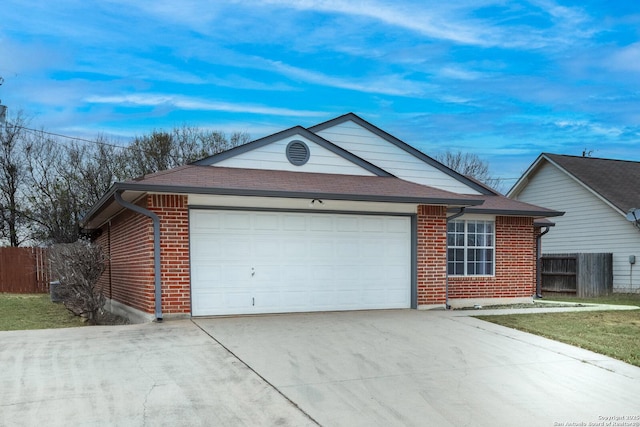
(253, 272)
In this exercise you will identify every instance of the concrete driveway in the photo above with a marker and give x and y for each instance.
(386, 368)
(407, 367)
(169, 374)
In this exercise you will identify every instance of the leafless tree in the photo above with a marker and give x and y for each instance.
(47, 183)
(469, 164)
(162, 150)
(78, 266)
(12, 180)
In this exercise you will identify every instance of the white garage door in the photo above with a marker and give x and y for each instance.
(272, 262)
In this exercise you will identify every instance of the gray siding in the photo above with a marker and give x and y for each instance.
(369, 146)
(589, 224)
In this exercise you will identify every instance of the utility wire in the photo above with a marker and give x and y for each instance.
(73, 137)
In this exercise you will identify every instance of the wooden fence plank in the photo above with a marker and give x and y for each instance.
(582, 274)
(24, 270)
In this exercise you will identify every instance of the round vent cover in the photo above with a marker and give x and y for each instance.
(297, 153)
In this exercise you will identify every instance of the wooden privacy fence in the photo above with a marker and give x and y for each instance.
(24, 270)
(582, 275)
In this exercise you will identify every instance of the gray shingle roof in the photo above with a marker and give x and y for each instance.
(617, 181)
(277, 183)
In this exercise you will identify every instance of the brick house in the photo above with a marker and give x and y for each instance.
(339, 216)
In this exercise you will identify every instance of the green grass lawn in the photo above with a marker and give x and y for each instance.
(616, 299)
(28, 311)
(612, 333)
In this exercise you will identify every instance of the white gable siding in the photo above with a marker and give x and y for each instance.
(273, 157)
(588, 225)
(369, 146)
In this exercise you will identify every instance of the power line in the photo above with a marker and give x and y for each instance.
(73, 137)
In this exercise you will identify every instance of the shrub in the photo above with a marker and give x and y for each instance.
(78, 266)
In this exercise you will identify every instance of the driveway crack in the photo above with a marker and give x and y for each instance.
(259, 376)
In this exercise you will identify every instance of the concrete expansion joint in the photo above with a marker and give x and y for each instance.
(245, 364)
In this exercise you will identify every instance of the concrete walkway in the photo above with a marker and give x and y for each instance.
(546, 306)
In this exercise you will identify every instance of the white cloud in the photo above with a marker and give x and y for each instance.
(384, 84)
(454, 21)
(459, 73)
(626, 58)
(187, 103)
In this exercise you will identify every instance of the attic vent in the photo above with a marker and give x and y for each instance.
(297, 153)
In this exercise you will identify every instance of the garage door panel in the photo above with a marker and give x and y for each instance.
(266, 222)
(321, 223)
(294, 223)
(266, 248)
(347, 224)
(270, 262)
(373, 224)
(236, 221)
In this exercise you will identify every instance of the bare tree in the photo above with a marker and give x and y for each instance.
(162, 150)
(470, 165)
(54, 206)
(78, 266)
(12, 177)
(48, 184)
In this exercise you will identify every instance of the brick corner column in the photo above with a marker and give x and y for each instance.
(431, 254)
(173, 212)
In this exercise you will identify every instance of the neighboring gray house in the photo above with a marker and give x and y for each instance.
(596, 195)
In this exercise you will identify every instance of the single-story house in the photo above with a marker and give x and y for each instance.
(596, 195)
(338, 216)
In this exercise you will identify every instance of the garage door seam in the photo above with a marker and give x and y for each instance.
(257, 373)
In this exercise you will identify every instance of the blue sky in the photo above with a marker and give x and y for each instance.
(506, 80)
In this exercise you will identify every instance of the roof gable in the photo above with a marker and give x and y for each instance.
(253, 154)
(429, 171)
(616, 182)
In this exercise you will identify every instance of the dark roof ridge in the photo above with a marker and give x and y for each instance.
(589, 158)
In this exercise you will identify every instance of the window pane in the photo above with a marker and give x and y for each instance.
(471, 247)
(471, 240)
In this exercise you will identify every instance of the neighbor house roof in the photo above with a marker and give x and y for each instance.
(616, 181)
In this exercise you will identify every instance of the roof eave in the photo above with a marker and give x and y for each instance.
(515, 212)
(154, 188)
(99, 205)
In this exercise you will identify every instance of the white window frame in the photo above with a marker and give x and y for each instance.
(462, 234)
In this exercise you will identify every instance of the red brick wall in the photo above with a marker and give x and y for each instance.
(515, 264)
(431, 254)
(128, 278)
(515, 260)
(174, 251)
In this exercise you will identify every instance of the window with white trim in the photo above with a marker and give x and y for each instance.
(471, 248)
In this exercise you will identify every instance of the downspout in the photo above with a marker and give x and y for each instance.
(538, 262)
(446, 266)
(110, 271)
(156, 248)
